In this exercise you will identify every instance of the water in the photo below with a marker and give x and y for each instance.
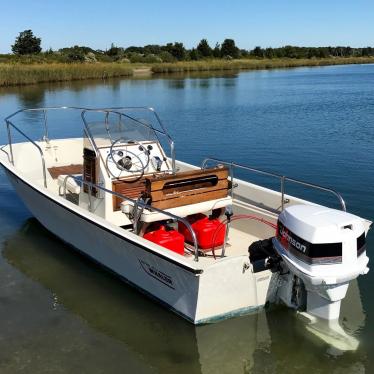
(60, 313)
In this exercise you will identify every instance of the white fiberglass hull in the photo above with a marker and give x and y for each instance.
(200, 294)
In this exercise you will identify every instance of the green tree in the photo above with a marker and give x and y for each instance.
(194, 54)
(269, 52)
(368, 51)
(135, 49)
(152, 49)
(289, 51)
(166, 56)
(75, 54)
(258, 52)
(177, 50)
(324, 53)
(204, 49)
(229, 48)
(83, 49)
(115, 52)
(244, 53)
(26, 43)
(217, 51)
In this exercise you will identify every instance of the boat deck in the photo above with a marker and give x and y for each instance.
(237, 246)
(238, 242)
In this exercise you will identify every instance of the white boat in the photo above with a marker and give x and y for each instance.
(234, 343)
(197, 239)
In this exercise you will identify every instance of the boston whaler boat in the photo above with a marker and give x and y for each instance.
(200, 241)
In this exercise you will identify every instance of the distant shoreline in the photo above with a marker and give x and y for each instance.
(18, 74)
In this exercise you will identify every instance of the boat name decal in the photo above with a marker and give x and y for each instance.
(157, 274)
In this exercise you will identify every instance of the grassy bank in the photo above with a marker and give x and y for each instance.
(21, 74)
(254, 64)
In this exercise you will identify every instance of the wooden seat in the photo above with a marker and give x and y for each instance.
(131, 190)
(55, 171)
(185, 188)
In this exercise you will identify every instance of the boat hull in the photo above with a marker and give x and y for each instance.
(221, 291)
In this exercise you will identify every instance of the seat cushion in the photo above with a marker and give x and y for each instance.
(71, 184)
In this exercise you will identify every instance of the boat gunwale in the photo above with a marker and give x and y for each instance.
(104, 225)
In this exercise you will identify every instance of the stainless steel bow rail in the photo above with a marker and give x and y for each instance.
(115, 110)
(136, 203)
(10, 124)
(282, 178)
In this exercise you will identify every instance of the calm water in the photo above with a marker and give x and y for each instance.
(60, 313)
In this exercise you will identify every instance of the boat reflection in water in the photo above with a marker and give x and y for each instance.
(263, 342)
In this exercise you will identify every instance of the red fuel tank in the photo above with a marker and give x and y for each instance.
(170, 239)
(205, 230)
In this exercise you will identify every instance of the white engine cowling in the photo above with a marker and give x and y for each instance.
(326, 249)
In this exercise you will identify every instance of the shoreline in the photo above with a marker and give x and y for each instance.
(27, 74)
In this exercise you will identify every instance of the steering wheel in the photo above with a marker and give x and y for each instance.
(126, 160)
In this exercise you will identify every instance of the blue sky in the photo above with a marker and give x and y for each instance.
(252, 22)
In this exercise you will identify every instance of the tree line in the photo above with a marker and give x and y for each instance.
(27, 43)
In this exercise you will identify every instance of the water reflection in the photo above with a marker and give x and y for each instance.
(253, 343)
(31, 97)
(201, 83)
(197, 75)
(116, 86)
(124, 314)
(178, 84)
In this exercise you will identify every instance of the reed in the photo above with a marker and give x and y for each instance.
(20, 74)
(253, 64)
(15, 74)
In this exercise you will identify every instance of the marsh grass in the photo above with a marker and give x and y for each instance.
(21, 74)
(253, 64)
(15, 74)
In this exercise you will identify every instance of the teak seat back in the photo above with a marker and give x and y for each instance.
(131, 190)
(189, 187)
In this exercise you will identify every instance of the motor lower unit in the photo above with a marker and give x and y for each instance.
(322, 251)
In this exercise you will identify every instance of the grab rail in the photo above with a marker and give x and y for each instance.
(8, 123)
(282, 179)
(45, 136)
(3, 150)
(139, 203)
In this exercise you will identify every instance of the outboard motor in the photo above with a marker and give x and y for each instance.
(322, 251)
